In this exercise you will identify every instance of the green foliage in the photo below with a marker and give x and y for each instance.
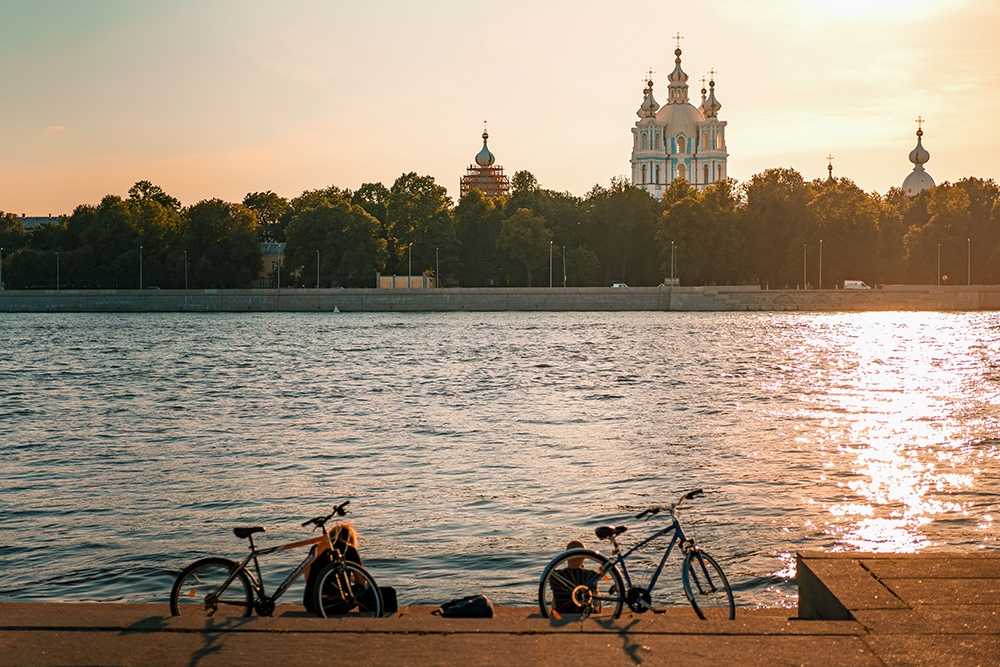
(221, 242)
(773, 218)
(755, 232)
(846, 219)
(344, 239)
(420, 227)
(271, 211)
(478, 220)
(146, 191)
(12, 234)
(620, 225)
(524, 236)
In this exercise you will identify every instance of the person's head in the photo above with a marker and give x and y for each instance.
(575, 562)
(344, 532)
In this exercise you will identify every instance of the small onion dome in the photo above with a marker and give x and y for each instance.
(485, 158)
(649, 106)
(919, 155)
(918, 179)
(678, 82)
(713, 105)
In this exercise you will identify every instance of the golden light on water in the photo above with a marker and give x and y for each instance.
(899, 383)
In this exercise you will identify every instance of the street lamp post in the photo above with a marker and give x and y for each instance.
(409, 267)
(803, 266)
(317, 269)
(939, 265)
(57, 270)
(821, 263)
(437, 268)
(550, 263)
(671, 263)
(564, 266)
(1, 268)
(969, 260)
(185, 269)
(140, 267)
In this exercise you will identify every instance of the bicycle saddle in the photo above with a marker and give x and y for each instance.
(604, 532)
(244, 533)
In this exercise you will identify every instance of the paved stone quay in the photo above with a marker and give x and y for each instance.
(854, 609)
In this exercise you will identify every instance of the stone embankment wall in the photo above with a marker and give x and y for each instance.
(892, 297)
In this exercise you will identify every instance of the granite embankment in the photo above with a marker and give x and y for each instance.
(855, 610)
(739, 298)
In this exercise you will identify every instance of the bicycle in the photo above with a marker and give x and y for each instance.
(218, 587)
(589, 584)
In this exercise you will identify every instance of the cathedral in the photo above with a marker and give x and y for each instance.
(677, 140)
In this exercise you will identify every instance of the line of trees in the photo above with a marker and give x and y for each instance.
(767, 231)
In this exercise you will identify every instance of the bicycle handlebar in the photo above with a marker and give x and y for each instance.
(338, 510)
(653, 511)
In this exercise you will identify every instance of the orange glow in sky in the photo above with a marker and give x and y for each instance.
(218, 98)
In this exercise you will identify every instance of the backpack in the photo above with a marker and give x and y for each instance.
(473, 606)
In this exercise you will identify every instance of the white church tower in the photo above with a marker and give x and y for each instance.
(677, 140)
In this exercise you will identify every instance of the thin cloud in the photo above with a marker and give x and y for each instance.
(55, 129)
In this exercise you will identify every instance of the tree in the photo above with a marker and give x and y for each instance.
(621, 226)
(524, 236)
(477, 226)
(12, 234)
(773, 217)
(943, 235)
(144, 190)
(221, 241)
(346, 237)
(846, 219)
(270, 210)
(419, 221)
(679, 228)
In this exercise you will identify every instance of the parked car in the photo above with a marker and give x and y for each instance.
(855, 284)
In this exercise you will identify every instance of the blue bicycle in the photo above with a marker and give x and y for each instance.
(583, 583)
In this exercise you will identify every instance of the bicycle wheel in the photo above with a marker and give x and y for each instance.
(346, 588)
(197, 593)
(581, 584)
(707, 588)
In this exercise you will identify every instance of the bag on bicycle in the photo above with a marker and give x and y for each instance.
(473, 606)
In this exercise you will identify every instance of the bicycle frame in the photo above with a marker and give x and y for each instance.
(619, 561)
(262, 599)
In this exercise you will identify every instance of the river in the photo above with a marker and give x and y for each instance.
(473, 446)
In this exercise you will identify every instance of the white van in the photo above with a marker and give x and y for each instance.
(855, 284)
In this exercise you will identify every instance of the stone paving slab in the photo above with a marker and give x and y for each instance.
(57, 648)
(939, 651)
(971, 566)
(945, 591)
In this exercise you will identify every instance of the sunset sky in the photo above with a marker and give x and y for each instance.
(218, 98)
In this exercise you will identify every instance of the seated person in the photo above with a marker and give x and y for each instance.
(569, 579)
(345, 540)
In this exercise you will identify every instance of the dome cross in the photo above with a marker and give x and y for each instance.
(678, 37)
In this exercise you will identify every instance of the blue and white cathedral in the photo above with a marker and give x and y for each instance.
(678, 140)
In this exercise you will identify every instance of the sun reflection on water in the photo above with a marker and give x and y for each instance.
(896, 381)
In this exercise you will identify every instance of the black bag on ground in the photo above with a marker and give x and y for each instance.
(473, 606)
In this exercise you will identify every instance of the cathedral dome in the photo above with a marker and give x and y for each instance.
(917, 182)
(485, 158)
(680, 119)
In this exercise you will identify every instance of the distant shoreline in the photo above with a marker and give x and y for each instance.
(551, 299)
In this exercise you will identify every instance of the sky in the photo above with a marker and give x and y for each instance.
(219, 98)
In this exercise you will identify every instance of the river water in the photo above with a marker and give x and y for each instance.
(473, 446)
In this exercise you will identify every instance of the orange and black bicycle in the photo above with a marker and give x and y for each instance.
(219, 587)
